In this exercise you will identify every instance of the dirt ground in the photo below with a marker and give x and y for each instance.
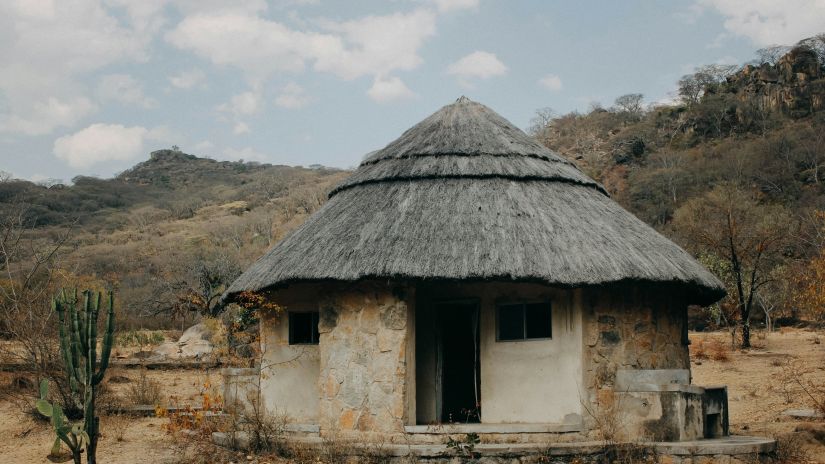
(757, 382)
(754, 379)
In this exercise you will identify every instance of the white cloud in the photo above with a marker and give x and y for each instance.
(370, 46)
(377, 45)
(188, 79)
(452, 5)
(257, 46)
(125, 89)
(389, 89)
(479, 64)
(47, 47)
(104, 142)
(42, 115)
(239, 106)
(241, 128)
(768, 22)
(293, 96)
(551, 82)
(242, 104)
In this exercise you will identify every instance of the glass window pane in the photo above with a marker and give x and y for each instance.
(315, 337)
(538, 320)
(511, 322)
(303, 328)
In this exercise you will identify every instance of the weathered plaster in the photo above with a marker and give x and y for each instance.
(289, 373)
(534, 381)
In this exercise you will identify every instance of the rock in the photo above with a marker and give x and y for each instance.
(803, 414)
(196, 333)
(194, 343)
(394, 316)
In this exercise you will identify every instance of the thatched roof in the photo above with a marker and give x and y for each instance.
(465, 195)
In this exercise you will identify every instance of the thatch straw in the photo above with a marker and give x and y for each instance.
(464, 195)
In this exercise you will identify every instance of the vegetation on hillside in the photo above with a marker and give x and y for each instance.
(733, 170)
(169, 233)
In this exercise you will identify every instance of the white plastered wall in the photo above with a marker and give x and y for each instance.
(532, 381)
(289, 373)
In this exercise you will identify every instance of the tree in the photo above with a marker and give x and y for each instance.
(817, 44)
(810, 294)
(748, 236)
(809, 297)
(30, 272)
(771, 54)
(206, 277)
(693, 86)
(690, 89)
(540, 121)
(631, 104)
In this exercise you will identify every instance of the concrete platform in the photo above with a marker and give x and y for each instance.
(453, 429)
(727, 446)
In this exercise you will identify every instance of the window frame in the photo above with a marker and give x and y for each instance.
(523, 304)
(314, 333)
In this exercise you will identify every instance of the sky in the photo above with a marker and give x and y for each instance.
(90, 87)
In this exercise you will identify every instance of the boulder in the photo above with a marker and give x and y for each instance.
(194, 343)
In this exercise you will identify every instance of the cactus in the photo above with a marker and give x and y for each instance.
(72, 435)
(77, 329)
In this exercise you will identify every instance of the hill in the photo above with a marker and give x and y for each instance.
(167, 233)
(732, 170)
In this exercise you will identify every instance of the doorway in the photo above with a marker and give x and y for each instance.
(458, 392)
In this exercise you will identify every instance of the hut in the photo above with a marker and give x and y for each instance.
(467, 279)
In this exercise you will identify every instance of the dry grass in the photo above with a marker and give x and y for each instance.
(145, 391)
(709, 348)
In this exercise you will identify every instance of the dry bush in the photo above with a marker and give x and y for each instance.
(608, 415)
(718, 350)
(798, 382)
(145, 391)
(265, 431)
(192, 423)
(813, 432)
(790, 449)
(698, 350)
(116, 425)
(140, 338)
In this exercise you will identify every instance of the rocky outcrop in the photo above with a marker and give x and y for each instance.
(795, 85)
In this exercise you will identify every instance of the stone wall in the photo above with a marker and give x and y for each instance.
(629, 328)
(365, 333)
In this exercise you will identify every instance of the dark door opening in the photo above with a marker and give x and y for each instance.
(458, 357)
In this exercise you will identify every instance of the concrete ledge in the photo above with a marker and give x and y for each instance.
(728, 446)
(630, 379)
(303, 428)
(649, 387)
(449, 429)
(240, 371)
